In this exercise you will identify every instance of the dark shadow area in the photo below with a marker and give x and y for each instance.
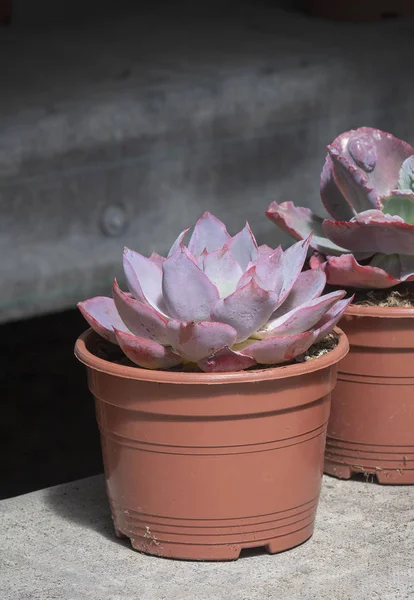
(252, 552)
(358, 478)
(365, 478)
(48, 431)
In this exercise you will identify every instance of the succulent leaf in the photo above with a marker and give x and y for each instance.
(209, 233)
(101, 314)
(189, 294)
(223, 270)
(146, 353)
(293, 260)
(247, 309)
(158, 259)
(406, 267)
(195, 341)
(301, 318)
(308, 286)
(399, 203)
(300, 222)
(279, 349)
(141, 319)
(331, 319)
(178, 242)
(406, 176)
(243, 247)
(226, 360)
(144, 278)
(372, 232)
(347, 272)
(333, 200)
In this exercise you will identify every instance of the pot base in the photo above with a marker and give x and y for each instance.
(194, 546)
(200, 466)
(371, 425)
(388, 464)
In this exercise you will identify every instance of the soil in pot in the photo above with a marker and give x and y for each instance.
(201, 465)
(371, 428)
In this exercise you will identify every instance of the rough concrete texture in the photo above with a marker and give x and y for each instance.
(162, 113)
(58, 544)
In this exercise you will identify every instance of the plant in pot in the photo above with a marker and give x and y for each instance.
(208, 446)
(367, 186)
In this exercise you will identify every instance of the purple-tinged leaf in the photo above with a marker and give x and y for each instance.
(347, 272)
(332, 198)
(352, 183)
(146, 353)
(367, 164)
(226, 360)
(157, 259)
(263, 251)
(141, 319)
(210, 233)
(223, 270)
(330, 319)
(243, 247)
(197, 341)
(308, 286)
(247, 309)
(372, 233)
(302, 318)
(300, 223)
(101, 314)
(178, 242)
(317, 261)
(189, 295)
(201, 258)
(280, 349)
(269, 271)
(293, 260)
(362, 150)
(144, 278)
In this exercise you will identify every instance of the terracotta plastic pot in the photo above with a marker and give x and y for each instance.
(359, 10)
(371, 428)
(201, 465)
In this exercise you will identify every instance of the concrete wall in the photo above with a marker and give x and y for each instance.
(120, 127)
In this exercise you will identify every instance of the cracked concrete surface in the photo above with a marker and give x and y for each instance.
(58, 544)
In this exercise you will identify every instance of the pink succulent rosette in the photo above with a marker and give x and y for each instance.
(367, 186)
(222, 302)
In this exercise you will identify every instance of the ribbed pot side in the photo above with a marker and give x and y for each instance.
(200, 465)
(371, 428)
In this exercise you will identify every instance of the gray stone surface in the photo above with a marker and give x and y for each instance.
(58, 544)
(170, 111)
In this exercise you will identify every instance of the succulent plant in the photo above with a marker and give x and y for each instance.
(223, 302)
(367, 186)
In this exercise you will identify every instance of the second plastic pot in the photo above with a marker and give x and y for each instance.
(371, 428)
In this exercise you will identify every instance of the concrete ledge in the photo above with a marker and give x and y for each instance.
(58, 544)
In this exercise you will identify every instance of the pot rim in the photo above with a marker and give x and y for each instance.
(382, 312)
(177, 377)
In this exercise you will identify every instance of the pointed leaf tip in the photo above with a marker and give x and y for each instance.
(101, 314)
